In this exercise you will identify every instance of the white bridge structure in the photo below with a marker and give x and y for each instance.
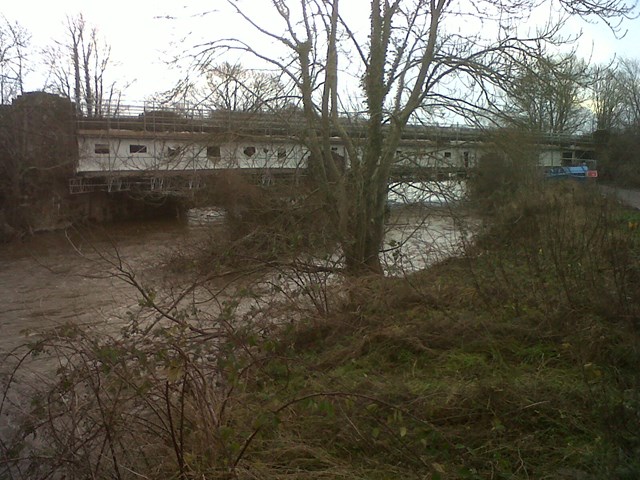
(172, 151)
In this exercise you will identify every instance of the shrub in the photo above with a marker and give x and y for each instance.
(263, 224)
(509, 166)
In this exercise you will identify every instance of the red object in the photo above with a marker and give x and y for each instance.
(592, 173)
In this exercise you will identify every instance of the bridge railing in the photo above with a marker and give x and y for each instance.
(157, 117)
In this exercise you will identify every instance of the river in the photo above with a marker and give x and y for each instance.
(53, 278)
(56, 277)
(64, 276)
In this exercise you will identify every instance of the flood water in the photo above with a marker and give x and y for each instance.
(63, 276)
(58, 277)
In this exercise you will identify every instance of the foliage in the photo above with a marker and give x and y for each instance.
(618, 160)
(266, 223)
(575, 251)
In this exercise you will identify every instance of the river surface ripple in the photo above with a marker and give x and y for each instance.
(57, 277)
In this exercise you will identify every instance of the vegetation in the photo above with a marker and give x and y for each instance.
(618, 160)
(14, 45)
(546, 94)
(509, 167)
(517, 360)
(78, 64)
(407, 65)
(616, 105)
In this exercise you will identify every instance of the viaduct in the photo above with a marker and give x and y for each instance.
(60, 164)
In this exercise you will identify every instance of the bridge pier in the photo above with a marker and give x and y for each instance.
(102, 207)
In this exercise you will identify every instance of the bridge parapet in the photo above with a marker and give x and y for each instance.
(151, 142)
(286, 123)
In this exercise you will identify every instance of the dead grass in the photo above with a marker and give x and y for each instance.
(489, 366)
(508, 363)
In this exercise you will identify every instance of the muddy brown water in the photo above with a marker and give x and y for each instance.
(58, 277)
(68, 276)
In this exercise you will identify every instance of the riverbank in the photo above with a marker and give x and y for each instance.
(516, 360)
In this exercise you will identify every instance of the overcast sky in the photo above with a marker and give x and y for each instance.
(144, 34)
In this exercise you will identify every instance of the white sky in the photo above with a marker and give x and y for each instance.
(142, 38)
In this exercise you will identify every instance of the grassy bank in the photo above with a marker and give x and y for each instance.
(518, 360)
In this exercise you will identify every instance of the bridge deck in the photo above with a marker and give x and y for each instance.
(288, 124)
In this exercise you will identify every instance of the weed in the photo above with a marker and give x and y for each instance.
(518, 360)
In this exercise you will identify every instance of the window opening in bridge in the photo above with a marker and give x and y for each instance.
(447, 154)
(250, 151)
(173, 152)
(213, 151)
(465, 155)
(282, 153)
(584, 154)
(137, 149)
(101, 148)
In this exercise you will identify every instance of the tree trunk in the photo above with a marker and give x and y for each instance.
(365, 228)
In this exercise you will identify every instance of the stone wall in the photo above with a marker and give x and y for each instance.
(38, 154)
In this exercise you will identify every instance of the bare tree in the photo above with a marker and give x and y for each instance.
(629, 85)
(607, 97)
(615, 94)
(77, 67)
(14, 44)
(232, 87)
(409, 62)
(546, 94)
